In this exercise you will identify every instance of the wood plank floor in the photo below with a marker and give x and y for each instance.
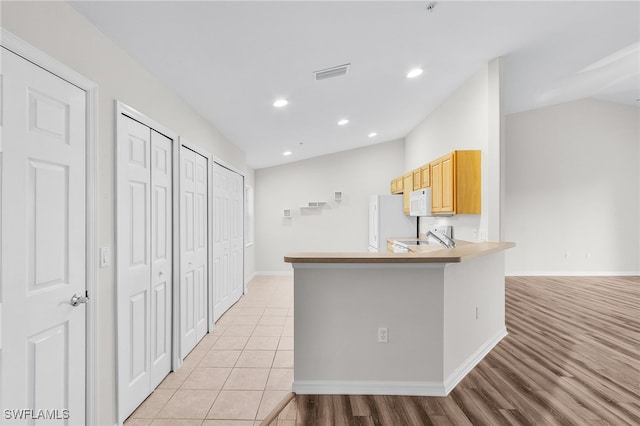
(572, 357)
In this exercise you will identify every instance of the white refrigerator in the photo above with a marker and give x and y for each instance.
(387, 220)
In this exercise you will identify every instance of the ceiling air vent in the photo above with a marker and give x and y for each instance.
(331, 72)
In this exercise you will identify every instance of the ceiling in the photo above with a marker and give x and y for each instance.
(231, 60)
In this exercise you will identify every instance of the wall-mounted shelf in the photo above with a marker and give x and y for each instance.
(314, 205)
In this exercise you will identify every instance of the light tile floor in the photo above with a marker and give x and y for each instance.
(236, 375)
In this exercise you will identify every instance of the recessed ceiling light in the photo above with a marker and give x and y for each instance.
(373, 134)
(286, 153)
(280, 103)
(343, 122)
(414, 73)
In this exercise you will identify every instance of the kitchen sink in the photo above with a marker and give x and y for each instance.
(415, 245)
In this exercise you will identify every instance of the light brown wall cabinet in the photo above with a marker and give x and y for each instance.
(425, 175)
(397, 185)
(406, 194)
(456, 183)
(454, 180)
(417, 179)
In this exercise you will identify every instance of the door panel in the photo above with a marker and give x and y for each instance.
(187, 250)
(138, 334)
(43, 241)
(201, 249)
(48, 228)
(161, 267)
(228, 240)
(237, 237)
(144, 238)
(194, 249)
(448, 184)
(221, 242)
(133, 262)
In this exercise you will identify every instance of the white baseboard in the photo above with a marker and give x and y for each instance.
(468, 365)
(572, 273)
(370, 387)
(249, 278)
(365, 387)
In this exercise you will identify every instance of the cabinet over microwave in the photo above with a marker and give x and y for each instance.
(420, 202)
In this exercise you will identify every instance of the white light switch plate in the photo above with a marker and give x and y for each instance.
(105, 257)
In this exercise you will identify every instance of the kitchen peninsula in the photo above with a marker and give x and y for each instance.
(441, 311)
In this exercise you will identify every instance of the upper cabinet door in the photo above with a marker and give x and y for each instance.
(425, 174)
(417, 179)
(436, 186)
(456, 183)
(448, 183)
(406, 195)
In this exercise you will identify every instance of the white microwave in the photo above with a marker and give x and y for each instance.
(420, 202)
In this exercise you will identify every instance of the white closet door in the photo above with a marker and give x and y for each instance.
(161, 257)
(201, 246)
(193, 248)
(228, 252)
(133, 263)
(43, 242)
(144, 257)
(221, 243)
(237, 236)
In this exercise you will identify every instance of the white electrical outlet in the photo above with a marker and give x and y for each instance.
(383, 335)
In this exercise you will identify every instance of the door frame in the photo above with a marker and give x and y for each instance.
(34, 55)
(123, 109)
(210, 160)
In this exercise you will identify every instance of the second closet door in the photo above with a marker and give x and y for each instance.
(144, 261)
(228, 239)
(193, 249)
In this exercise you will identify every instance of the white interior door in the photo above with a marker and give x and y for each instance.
(228, 251)
(161, 256)
(221, 243)
(43, 244)
(144, 257)
(193, 248)
(237, 235)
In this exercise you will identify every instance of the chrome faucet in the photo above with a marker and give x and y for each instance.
(442, 239)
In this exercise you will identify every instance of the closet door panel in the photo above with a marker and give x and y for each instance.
(161, 256)
(133, 262)
(201, 246)
(193, 248)
(228, 239)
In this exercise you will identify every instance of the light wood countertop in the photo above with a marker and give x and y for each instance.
(464, 250)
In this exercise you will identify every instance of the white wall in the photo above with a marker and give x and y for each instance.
(338, 226)
(573, 189)
(474, 286)
(59, 31)
(469, 119)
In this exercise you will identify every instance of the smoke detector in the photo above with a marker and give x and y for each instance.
(331, 72)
